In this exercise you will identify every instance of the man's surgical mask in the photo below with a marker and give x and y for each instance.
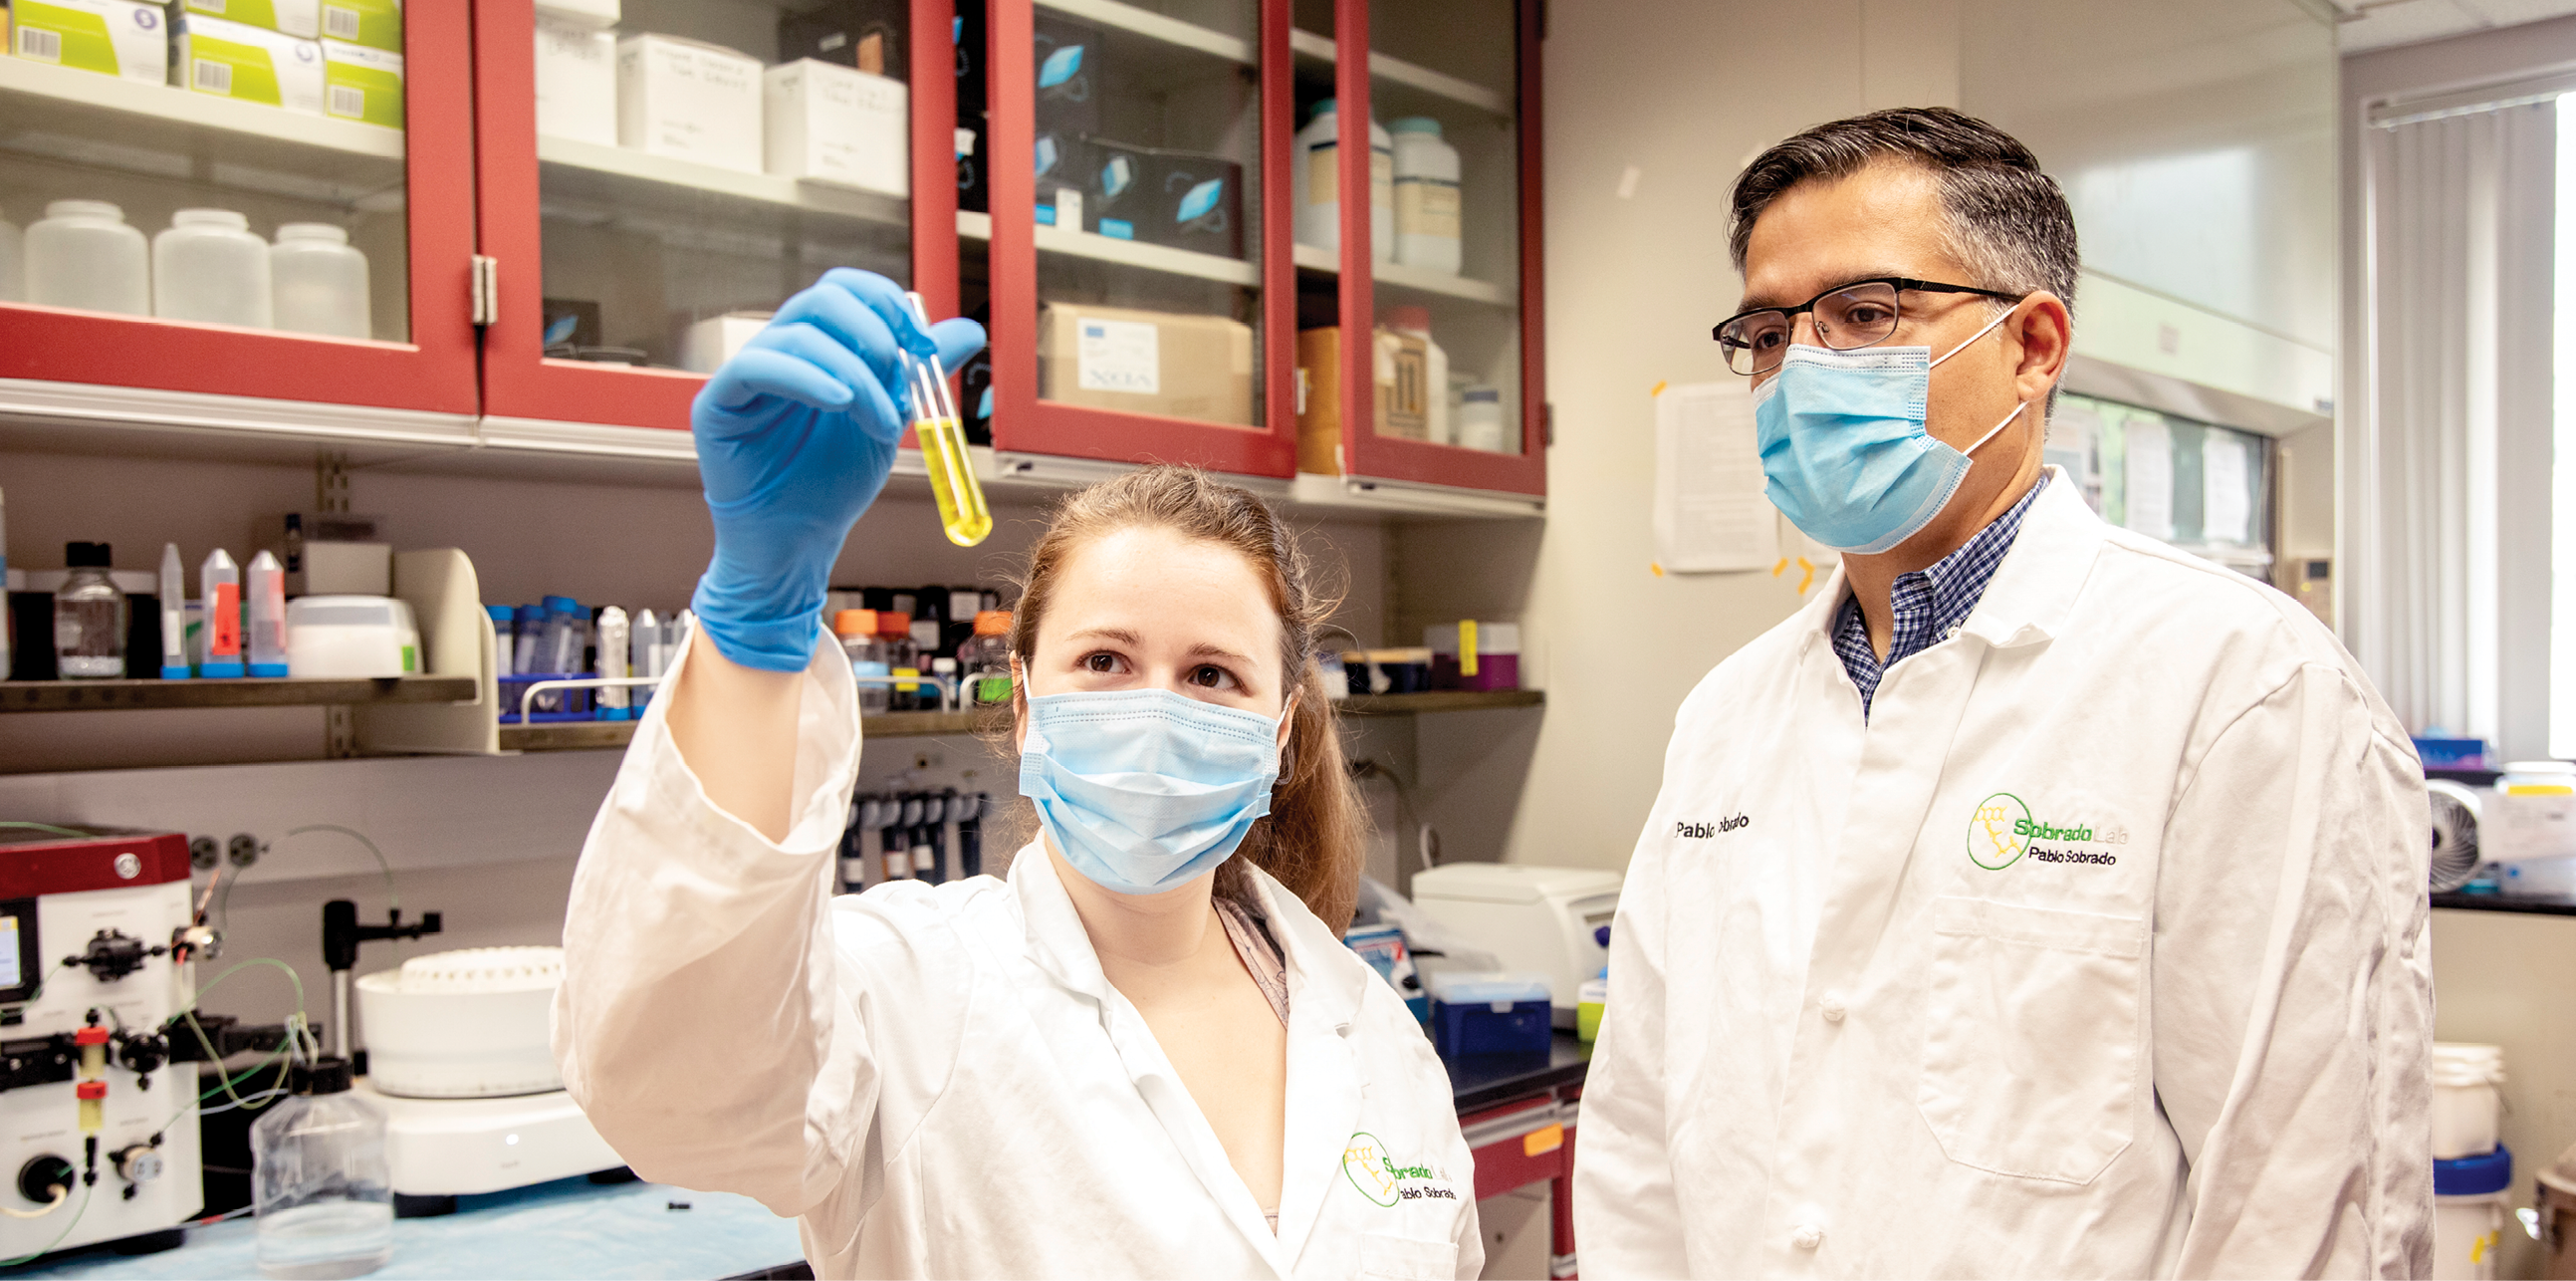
(1144, 789)
(1844, 451)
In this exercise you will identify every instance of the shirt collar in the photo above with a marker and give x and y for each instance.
(2029, 586)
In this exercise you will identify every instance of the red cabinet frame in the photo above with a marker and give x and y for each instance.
(1024, 423)
(1392, 458)
(518, 380)
(434, 371)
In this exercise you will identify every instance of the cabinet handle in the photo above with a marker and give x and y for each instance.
(487, 290)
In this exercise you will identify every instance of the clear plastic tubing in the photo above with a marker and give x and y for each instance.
(209, 267)
(320, 282)
(219, 586)
(83, 255)
(942, 437)
(264, 608)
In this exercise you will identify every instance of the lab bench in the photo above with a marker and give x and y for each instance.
(1518, 1112)
(571, 1228)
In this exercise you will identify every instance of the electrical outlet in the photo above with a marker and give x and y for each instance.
(244, 849)
(204, 853)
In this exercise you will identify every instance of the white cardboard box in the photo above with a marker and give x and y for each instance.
(713, 341)
(598, 15)
(836, 124)
(233, 60)
(688, 100)
(576, 82)
(137, 46)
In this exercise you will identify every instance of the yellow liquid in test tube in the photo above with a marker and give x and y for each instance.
(942, 437)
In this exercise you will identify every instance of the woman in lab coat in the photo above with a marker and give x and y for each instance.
(1145, 1051)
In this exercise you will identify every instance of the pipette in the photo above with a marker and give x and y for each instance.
(942, 437)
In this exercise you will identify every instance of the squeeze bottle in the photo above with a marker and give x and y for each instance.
(219, 585)
(265, 603)
(174, 616)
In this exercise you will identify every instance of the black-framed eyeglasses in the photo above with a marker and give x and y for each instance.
(1847, 316)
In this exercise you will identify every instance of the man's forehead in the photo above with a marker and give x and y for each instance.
(1882, 220)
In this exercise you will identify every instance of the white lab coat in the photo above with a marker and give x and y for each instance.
(2183, 1032)
(939, 1080)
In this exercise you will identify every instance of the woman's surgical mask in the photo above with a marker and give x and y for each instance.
(1144, 789)
(1843, 444)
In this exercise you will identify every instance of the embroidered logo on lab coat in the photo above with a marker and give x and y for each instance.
(1997, 834)
(1384, 1181)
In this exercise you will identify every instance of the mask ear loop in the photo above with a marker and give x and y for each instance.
(2018, 405)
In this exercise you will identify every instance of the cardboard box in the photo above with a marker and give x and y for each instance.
(1146, 362)
(713, 341)
(362, 83)
(377, 24)
(1319, 408)
(689, 100)
(251, 64)
(594, 15)
(299, 18)
(1184, 199)
(865, 35)
(576, 81)
(112, 37)
(829, 123)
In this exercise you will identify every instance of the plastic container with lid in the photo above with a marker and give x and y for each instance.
(1315, 180)
(2469, 1214)
(89, 616)
(319, 281)
(1426, 196)
(1414, 320)
(2466, 1107)
(902, 658)
(856, 629)
(985, 659)
(1477, 656)
(2530, 829)
(209, 267)
(264, 615)
(322, 1187)
(1489, 1012)
(82, 254)
(1480, 422)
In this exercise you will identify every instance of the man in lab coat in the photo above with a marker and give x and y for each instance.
(2039, 900)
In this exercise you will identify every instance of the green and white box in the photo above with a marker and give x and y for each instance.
(119, 38)
(377, 24)
(251, 64)
(360, 83)
(298, 18)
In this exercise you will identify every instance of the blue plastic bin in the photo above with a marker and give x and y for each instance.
(1489, 1013)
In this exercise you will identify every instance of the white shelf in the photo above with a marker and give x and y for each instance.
(1154, 26)
(631, 167)
(1465, 93)
(102, 122)
(1129, 253)
(197, 111)
(1312, 491)
(1416, 279)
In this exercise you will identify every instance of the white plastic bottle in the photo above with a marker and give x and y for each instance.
(1480, 422)
(1426, 196)
(208, 266)
(13, 262)
(320, 281)
(83, 255)
(1415, 320)
(1316, 184)
(264, 615)
(219, 587)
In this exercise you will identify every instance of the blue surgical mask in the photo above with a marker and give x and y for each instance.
(1144, 789)
(1843, 444)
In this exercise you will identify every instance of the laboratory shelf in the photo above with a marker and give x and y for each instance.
(1446, 88)
(1154, 26)
(1084, 244)
(93, 119)
(132, 695)
(1419, 280)
(576, 736)
(602, 182)
(2530, 906)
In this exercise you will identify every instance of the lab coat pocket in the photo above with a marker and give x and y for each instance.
(1385, 1258)
(2030, 1038)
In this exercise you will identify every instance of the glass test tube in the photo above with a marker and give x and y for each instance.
(942, 437)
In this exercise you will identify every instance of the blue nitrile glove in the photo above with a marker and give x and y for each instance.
(795, 436)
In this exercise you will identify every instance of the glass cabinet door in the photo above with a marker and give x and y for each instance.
(659, 175)
(1133, 247)
(237, 199)
(1438, 267)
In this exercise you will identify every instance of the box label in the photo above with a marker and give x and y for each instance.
(1426, 207)
(255, 65)
(1118, 355)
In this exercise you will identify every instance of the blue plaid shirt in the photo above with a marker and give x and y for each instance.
(1930, 603)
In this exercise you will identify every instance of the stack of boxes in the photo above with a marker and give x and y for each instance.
(336, 58)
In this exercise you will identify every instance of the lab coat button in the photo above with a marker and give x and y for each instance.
(1953, 633)
(1807, 1236)
(1831, 1006)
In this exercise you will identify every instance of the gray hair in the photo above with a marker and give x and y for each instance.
(2008, 223)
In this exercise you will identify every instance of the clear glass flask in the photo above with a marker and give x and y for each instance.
(322, 1187)
(942, 437)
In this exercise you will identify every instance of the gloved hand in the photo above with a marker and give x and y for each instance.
(795, 436)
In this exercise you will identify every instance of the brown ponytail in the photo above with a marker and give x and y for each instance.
(1311, 840)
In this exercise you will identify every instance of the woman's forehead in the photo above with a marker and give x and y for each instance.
(1164, 587)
